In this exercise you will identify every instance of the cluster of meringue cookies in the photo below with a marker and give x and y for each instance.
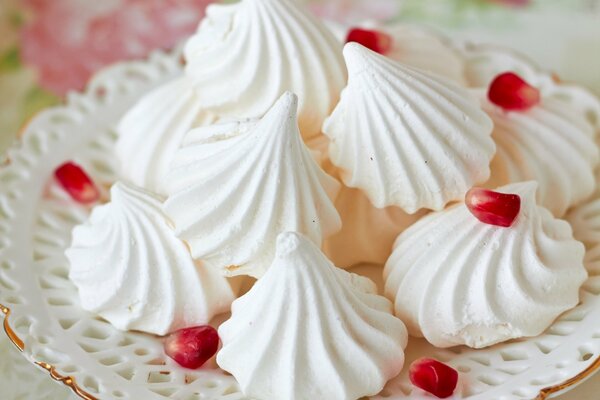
(282, 154)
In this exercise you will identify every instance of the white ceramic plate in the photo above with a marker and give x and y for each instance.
(99, 362)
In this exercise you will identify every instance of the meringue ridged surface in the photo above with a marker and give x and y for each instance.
(151, 131)
(426, 51)
(367, 233)
(231, 195)
(405, 137)
(551, 143)
(131, 269)
(245, 55)
(585, 221)
(456, 280)
(305, 332)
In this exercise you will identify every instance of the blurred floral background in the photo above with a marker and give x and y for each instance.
(48, 47)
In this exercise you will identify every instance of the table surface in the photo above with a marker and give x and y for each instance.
(569, 45)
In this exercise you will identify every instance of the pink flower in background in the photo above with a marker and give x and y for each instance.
(66, 41)
(352, 11)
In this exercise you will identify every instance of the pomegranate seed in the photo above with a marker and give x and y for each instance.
(493, 208)
(512, 93)
(192, 347)
(434, 377)
(77, 183)
(377, 41)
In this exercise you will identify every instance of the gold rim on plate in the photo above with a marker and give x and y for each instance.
(70, 382)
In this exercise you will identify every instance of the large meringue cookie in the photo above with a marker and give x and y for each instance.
(245, 55)
(306, 332)
(456, 280)
(585, 221)
(425, 50)
(405, 137)
(230, 195)
(151, 131)
(367, 233)
(551, 143)
(131, 269)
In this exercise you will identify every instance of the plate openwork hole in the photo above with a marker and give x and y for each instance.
(14, 300)
(67, 323)
(118, 394)
(159, 377)
(6, 266)
(483, 360)
(126, 373)
(91, 384)
(60, 301)
(22, 325)
(514, 355)
(575, 315)
(89, 348)
(112, 360)
(491, 380)
(585, 353)
(71, 369)
(141, 352)
(166, 392)
(233, 389)
(94, 332)
(545, 347)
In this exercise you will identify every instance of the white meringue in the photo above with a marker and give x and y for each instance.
(585, 221)
(425, 50)
(407, 138)
(245, 55)
(304, 331)
(231, 195)
(131, 269)
(551, 143)
(367, 233)
(151, 131)
(456, 280)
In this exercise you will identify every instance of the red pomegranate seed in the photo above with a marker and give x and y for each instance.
(192, 347)
(434, 377)
(493, 208)
(377, 41)
(512, 93)
(77, 183)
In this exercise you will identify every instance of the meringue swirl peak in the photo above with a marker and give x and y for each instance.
(405, 137)
(458, 281)
(307, 331)
(245, 55)
(131, 269)
(230, 195)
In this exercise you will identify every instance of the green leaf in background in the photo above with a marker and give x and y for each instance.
(9, 60)
(36, 100)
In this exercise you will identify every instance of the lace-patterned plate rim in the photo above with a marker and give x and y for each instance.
(71, 382)
(68, 381)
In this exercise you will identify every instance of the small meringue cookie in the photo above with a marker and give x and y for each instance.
(245, 55)
(458, 281)
(407, 138)
(150, 133)
(305, 331)
(230, 195)
(551, 143)
(367, 233)
(131, 269)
